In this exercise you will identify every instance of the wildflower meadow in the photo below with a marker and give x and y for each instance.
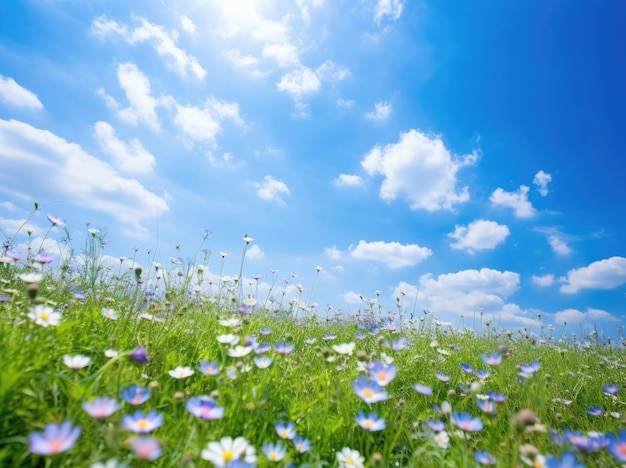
(138, 363)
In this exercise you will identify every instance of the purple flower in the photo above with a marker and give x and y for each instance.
(265, 331)
(135, 395)
(487, 406)
(465, 422)
(617, 445)
(467, 368)
(496, 397)
(423, 389)
(370, 423)
(484, 458)
(204, 407)
(482, 375)
(442, 377)
(595, 411)
(369, 392)
(209, 368)
(140, 355)
(492, 359)
(567, 460)
(146, 448)
(330, 336)
(56, 438)
(301, 444)
(284, 348)
(436, 425)
(610, 389)
(526, 370)
(101, 407)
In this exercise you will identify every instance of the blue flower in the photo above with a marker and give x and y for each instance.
(484, 458)
(209, 368)
(204, 407)
(467, 368)
(465, 422)
(617, 445)
(141, 423)
(135, 395)
(274, 451)
(301, 444)
(285, 431)
(492, 359)
(369, 392)
(370, 423)
(567, 460)
(382, 373)
(610, 389)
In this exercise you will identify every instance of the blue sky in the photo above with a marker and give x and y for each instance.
(463, 156)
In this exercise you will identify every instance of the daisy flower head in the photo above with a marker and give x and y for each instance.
(204, 407)
(140, 423)
(101, 407)
(56, 438)
(349, 458)
(442, 439)
(181, 372)
(382, 373)
(76, 362)
(228, 339)
(135, 395)
(146, 448)
(344, 348)
(285, 431)
(231, 322)
(369, 392)
(274, 451)
(228, 451)
(239, 351)
(370, 423)
(44, 316)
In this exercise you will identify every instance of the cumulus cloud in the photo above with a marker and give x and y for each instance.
(187, 24)
(255, 253)
(164, 43)
(381, 111)
(461, 296)
(420, 169)
(603, 274)
(333, 253)
(544, 281)
(479, 235)
(591, 315)
(272, 189)
(67, 172)
(136, 86)
(392, 254)
(541, 180)
(559, 245)
(131, 157)
(203, 123)
(18, 96)
(300, 83)
(235, 56)
(348, 180)
(284, 54)
(388, 8)
(518, 201)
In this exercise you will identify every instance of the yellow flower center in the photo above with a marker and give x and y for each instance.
(368, 423)
(43, 316)
(368, 393)
(143, 424)
(382, 375)
(228, 455)
(349, 461)
(273, 456)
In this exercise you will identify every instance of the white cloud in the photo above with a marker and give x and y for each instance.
(163, 42)
(603, 274)
(518, 201)
(541, 180)
(299, 83)
(330, 71)
(239, 60)
(333, 253)
(272, 189)
(203, 124)
(469, 295)
(544, 281)
(381, 111)
(255, 253)
(271, 31)
(67, 172)
(575, 315)
(18, 96)
(348, 180)
(284, 54)
(187, 24)
(345, 103)
(131, 157)
(420, 169)
(392, 254)
(479, 235)
(559, 245)
(388, 8)
(137, 89)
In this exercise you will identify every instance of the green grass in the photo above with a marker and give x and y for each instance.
(312, 386)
